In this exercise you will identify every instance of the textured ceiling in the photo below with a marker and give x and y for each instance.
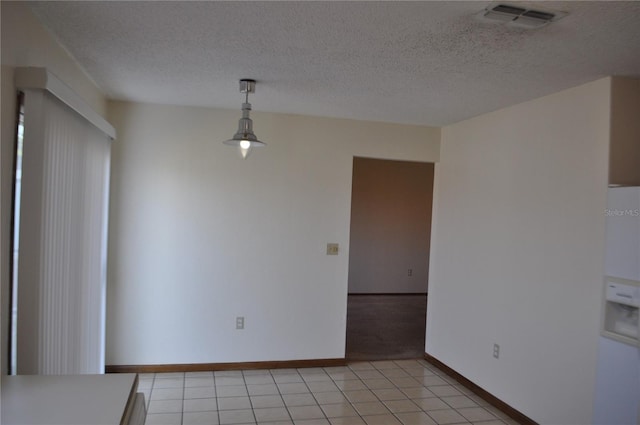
(431, 63)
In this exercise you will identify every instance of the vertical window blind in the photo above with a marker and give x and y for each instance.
(62, 246)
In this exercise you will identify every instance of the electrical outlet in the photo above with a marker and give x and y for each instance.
(240, 322)
(410, 272)
(496, 351)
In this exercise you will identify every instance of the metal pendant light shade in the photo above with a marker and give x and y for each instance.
(245, 139)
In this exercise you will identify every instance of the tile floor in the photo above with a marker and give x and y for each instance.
(408, 392)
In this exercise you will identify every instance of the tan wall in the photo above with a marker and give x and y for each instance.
(518, 248)
(624, 151)
(390, 226)
(198, 236)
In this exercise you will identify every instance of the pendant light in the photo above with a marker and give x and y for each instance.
(244, 138)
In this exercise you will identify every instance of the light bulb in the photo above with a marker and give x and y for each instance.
(245, 148)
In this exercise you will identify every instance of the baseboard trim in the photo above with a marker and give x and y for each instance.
(485, 395)
(368, 294)
(203, 367)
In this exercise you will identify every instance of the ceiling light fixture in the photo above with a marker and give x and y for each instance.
(244, 138)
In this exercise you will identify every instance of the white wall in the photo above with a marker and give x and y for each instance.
(25, 42)
(518, 250)
(199, 236)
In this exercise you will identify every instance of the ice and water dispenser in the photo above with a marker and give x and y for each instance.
(622, 305)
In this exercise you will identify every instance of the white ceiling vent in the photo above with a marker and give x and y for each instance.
(519, 16)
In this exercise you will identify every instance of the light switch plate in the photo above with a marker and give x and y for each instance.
(333, 248)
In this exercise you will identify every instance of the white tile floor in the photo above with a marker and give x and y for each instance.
(409, 392)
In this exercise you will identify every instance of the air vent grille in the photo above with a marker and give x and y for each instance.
(520, 17)
(546, 16)
(512, 10)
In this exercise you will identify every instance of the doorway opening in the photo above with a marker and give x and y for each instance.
(391, 204)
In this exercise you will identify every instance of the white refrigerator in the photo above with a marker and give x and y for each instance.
(617, 398)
